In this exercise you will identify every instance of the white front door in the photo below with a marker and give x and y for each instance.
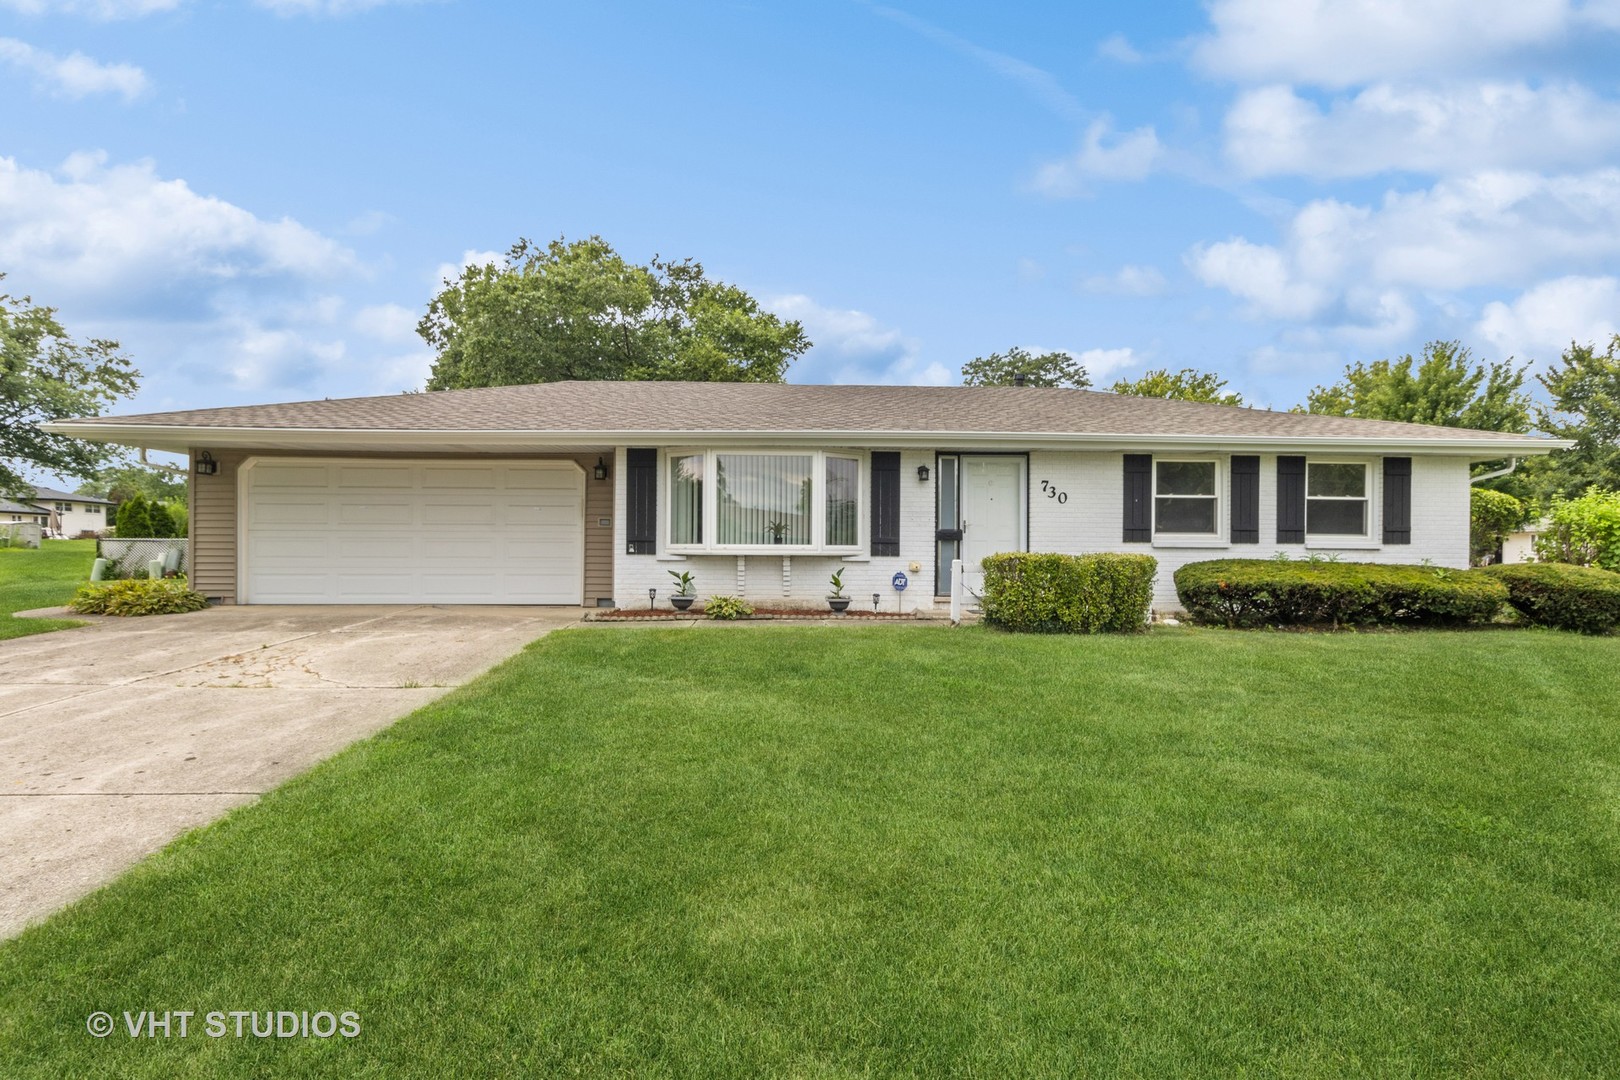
(993, 518)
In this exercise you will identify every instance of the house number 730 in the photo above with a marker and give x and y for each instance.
(1053, 493)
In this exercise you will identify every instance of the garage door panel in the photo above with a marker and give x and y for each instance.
(302, 477)
(283, 512)
(459, 478)
(309, 547)
(376, 513)
(395, 533)
(467, 514)
(356, 550)
(386, 477)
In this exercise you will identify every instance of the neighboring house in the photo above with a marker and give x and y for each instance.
(1520, 546)
(15, 511)
(72, 514)
(588, 492)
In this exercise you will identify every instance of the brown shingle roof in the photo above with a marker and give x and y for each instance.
(675, 407)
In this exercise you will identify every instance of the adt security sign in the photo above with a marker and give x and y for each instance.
(899, 581)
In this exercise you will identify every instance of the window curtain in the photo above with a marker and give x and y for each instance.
(843, 505)
(763, 498)
(686, 499)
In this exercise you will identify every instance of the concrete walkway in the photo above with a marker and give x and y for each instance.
(117, 737)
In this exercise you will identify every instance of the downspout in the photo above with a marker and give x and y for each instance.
(1513, 463)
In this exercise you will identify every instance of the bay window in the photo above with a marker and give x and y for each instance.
(1336, 498)
(760, 501)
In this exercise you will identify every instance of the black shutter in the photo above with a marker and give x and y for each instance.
(1290, 500)
(641, 502)
(1245, 499)
(1138, 498)
(885, 502)
(1397, 500)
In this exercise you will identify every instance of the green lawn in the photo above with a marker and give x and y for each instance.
(41, 577)
(884, 851)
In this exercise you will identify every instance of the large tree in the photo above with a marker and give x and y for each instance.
(1444, 387)
(120, 483)
(45, 375)
(578, 310)
(1043, 369)
(1585, 392)
(1184, 385)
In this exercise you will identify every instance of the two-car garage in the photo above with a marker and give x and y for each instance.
(389, 531)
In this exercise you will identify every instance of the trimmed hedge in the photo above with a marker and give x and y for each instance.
(1560, 595)
(1251, 593)
(138, 596)
(1043, 593)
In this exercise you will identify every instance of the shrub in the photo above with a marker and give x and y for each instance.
(1045, 593)
(1567, 597)
(1263, 592)
(164, 596)
(1491, 516)
(134, 518)
(1583, 531)
(727, 607)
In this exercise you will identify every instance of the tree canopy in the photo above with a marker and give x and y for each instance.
(120, 483)
(578, 310)
(1445, 387)
(1045, 369)
(45, 375)
(1187, 384)
(1585, 393)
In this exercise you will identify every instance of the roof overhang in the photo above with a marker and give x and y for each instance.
(182, 439)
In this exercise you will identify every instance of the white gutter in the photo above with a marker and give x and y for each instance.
(181, 438)
(1513, 463)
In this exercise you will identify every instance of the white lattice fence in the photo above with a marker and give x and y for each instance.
(130, 558)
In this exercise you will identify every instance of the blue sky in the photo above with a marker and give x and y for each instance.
(259, 198)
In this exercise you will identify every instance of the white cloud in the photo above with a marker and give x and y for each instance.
(452, 271)
(95, 9)
(1541, 322)
(75, 75)
(1460, 127)
(1104, 154)
(390, 323)
(1116, 47)
(1355, 264)
(125, 235)
(1127, 281)
(326, 7)
(852, 347)
(1103, 364)
(1340, 43)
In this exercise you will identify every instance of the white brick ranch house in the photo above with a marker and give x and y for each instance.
(588, 493)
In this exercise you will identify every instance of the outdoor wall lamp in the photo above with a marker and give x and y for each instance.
(922, 473)
(205, 464)
(601, 469)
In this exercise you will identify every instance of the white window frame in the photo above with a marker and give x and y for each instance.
(1218, 538)
(1368, 492)
(818, 502)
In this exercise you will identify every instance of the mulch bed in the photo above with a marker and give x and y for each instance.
(760, 614)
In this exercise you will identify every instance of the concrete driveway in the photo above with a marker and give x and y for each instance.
(117, 737)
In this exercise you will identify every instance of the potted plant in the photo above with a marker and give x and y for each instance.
(836, 599)
(684, 593)
(777, 529)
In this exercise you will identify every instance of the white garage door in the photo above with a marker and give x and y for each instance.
(387, 532)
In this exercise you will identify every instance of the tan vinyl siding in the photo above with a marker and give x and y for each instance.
(214, 505)
(213, 528)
